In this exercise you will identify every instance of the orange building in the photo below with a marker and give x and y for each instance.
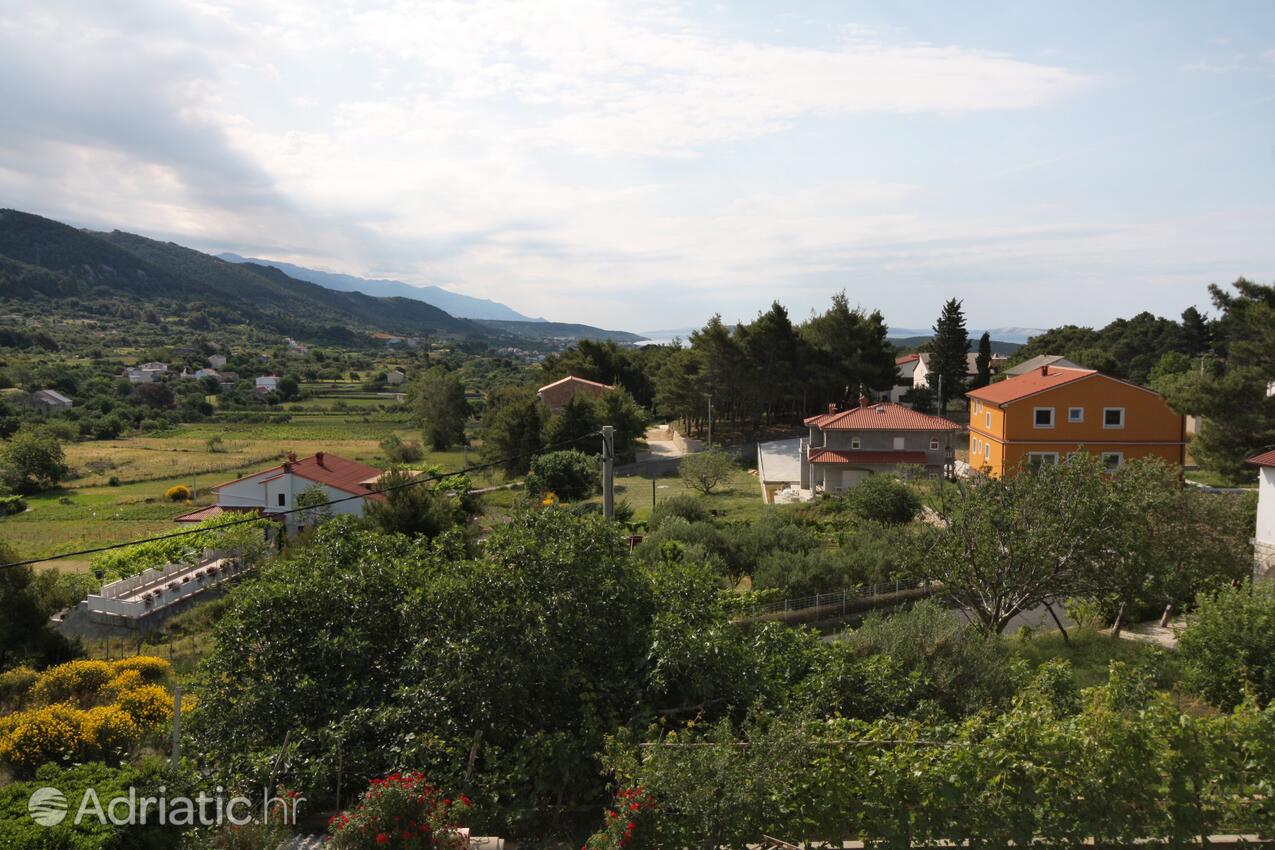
(1048, 413)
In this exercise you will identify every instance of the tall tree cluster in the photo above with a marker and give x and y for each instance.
(771, 369)
(948, 350)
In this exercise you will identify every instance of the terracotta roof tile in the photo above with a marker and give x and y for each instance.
(1264, 459)
(882, 416)
(1021, 386)
(335, 471)
(214, 510)
(873, 458)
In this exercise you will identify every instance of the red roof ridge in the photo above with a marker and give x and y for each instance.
(881, 416)
(578, 379)
(875, 458)
(1264, 459)
(335, 471)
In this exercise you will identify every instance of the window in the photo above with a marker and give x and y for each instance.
(283, 499)
(1036, 460)
(898, 444)
(1075, 414)
(1043, 417)
(988, 420)
(1112, 460)
(854, 442)
(1113, 417)
(987, 451)
(934, 443)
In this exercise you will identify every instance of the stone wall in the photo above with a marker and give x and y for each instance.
(1263, 560)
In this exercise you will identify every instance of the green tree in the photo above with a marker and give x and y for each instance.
(32, 460)
(849, 349)
(984, 361)
(571, 475)
(289, 388)
(24, 629)
(706, 471)
(439, 402)
(1228, 647)
(949, 348)
(313, 502)
(884, 499)
(512, 426)
(420, 509)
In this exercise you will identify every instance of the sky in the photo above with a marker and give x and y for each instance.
(643, 166)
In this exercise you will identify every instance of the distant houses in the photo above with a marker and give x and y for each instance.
(50, 401)
(394, 377)
(1042, 416)
(146, 373)
(217, 361)
(266, 384)
(1035, 363)
(556, 395)
(845, 447)
(1264, 539)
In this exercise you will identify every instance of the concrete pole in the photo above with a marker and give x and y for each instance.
(608, 471)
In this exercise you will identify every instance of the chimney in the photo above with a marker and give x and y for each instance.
(318, 458)
(292, 457)
(832, 407)
(1044, 370)
(864, 401)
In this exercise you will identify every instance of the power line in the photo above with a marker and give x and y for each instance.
(422, 479)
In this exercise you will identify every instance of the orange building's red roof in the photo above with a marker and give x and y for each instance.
(1035, 381)
(882, 416)
(876, 458)
(1264, 459)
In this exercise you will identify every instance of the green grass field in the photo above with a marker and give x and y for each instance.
(1090, 652)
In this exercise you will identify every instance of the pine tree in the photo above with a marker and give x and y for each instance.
(948, 350)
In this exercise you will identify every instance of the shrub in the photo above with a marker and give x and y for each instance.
(883, 499)
(706, 471)
(52, 733)
(688, 508)
(10, 505)
(15, 685)
(74, 681)
(109, 732)
(177, 493)
(1229, 646)
(572, 475)
(399, 451)
(401, 811)
(152, 669)
(149, 705)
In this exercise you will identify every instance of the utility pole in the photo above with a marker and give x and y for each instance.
(608, 471)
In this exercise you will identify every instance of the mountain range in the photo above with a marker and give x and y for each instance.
(40, 257)
(461, 306)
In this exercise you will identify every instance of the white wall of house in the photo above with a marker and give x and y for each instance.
(264, 491)
(1264, 541)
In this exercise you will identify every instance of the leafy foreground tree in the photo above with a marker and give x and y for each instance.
(570, 475)
(883, 499)
(512, 428)
(1228, 647)
(25, 635)
(421, 508)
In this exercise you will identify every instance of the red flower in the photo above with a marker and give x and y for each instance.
(382, 838)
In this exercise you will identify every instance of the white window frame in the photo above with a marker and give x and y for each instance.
(1071, 418)
(987, 451)
(934, 443)
(1119, 456)
(1107, 410)
(899, 443)
(855, 443)
(987, 420)
(1042, 456)
(1036, 421)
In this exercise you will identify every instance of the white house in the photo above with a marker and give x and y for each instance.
(216, 361)
(207, 373)
(269, 383)
(1264, 540)
(394, 377)
(147, 373)
(274, 491)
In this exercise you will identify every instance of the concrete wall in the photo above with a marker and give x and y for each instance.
(1264, 542)
(883, 441)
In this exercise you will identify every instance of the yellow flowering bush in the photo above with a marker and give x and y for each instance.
(81, 710)
(149, 705)
(110, 731)
(74, 681)
(154, 670)
(52, 733)
(129, 680)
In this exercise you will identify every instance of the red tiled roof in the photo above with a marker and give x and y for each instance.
(335, 471)
(907, 358)
(214, 510)
(882, 416)
(572, 379)
(873, 458)
(1264, 459)
(1021, 386)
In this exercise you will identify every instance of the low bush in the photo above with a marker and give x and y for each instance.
(689, 508)
(177, 493)
(883, 499)
(10, 505)
(571, 475)
(401, 811)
